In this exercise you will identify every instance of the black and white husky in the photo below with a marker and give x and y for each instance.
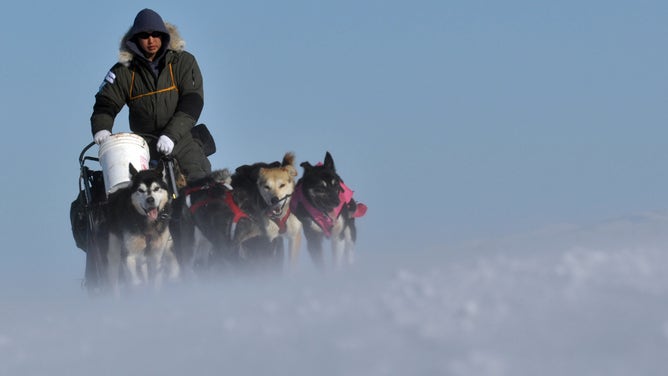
(326, 208)
(140, 244)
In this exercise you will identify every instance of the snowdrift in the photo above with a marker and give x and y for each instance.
(561, 301)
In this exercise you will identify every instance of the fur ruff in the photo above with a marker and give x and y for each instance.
(176, 43)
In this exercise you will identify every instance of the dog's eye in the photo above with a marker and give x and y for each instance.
(282, 185)
(156, 189)
(266, 187)
(141, 190)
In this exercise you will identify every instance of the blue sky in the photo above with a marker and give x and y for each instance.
(451, 120)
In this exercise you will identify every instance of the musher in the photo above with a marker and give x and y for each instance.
(161, 84)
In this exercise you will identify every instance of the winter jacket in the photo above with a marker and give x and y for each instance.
(168, 104)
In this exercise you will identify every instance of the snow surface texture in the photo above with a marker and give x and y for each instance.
(562, 301)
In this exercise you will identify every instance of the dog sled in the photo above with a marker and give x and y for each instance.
(88, 210)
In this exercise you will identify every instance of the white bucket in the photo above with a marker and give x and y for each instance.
(116, 153)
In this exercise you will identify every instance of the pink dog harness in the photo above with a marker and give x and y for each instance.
(326, 220)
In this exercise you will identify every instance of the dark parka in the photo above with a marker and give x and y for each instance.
(164, 97)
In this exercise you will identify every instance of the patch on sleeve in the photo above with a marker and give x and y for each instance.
(110, 77)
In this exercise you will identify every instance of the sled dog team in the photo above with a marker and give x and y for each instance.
(227, 222)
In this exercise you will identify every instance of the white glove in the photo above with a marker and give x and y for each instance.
(165, 145)
(101, 136)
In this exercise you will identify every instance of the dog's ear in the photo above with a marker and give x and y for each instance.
(329, 162)
(306, 166)
(132, 169)
(291, 170)
(288, 159)
(242, 170)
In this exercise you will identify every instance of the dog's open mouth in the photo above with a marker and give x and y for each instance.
(277, 210)
(152, 213)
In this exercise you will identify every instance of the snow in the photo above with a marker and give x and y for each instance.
(566, 300)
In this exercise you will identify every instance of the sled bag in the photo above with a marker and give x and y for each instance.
(202, 135)
(80, 209)
(79, 221)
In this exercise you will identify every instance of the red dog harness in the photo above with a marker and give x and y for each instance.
(228, 199)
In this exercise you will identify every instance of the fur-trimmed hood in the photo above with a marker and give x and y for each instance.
(176, 43)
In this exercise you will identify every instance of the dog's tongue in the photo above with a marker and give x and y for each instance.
(152, 213)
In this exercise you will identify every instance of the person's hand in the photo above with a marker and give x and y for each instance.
(165, 145)
(101, 136)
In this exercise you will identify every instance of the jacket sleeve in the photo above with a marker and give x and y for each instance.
(191, 98)
(109, 99)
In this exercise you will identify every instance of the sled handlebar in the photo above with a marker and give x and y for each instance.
(83, 157)
(168, 160)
